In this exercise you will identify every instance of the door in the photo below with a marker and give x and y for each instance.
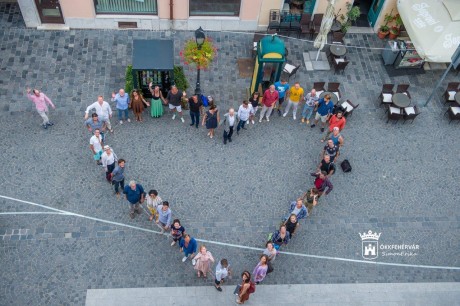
(374, 11)
(49, 11)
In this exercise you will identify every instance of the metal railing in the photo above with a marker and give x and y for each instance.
(126, 7)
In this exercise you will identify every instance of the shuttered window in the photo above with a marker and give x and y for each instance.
(146, 7)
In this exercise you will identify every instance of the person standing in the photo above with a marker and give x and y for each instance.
(103, 111)
(326, 165)
(244, 112)
(297, 208)
(153, 201)
(187, 245)
(322, 183)
(230, 120)
(254, 100)
(156, 108)
(268, 102)
(41, 102)
(325, 108)
(122, 100)
(332, 150)
(108, 159)
(95, 123)
(118, 177)
(280, 237)
(336, 121)
(310, 101)
(294, 94)
(337, 137)
(164, 216)
(245, 288)
(260, 271)
(196, 107)
(177, 231)
(270, 251)
(138, 104)
(282, 87)
(135, 195)
(203, 261)
(173, 98)
(222, 271)
(96, 144)
(310, 199)
(211, 118)
(291, 224)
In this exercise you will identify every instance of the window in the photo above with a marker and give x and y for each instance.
(125, 6)
(215, 7)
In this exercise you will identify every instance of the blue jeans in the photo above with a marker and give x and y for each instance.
(195, 116)
(241, 124)
(120, 114)
(307, 111)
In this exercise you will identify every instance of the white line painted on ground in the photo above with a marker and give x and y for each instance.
(33, 213)
(68, 213)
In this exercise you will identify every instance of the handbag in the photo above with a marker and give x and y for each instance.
(97, 156)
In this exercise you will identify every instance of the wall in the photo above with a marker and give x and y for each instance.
(266, 6)
(321, 5)
(388, 5)
(78, 9)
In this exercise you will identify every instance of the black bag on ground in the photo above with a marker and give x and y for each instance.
(346, 167)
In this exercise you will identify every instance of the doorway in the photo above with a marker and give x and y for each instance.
(374, 11)
(49, 11)
(364, 7)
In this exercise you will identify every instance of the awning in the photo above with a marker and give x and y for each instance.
(433, 27)
(153, 55)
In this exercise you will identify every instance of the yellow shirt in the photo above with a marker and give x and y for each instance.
(295, 94)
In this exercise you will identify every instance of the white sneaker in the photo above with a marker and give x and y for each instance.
(284, 115)
(174, 117)
(184, 259)
(173, 243)
(129, 120)
(260, 120)
(252, 121)
(268, 119)
(182, 119)
(193, 261)
(121, 121)
(294, 117)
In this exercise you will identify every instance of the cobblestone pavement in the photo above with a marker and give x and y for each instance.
(404, 182)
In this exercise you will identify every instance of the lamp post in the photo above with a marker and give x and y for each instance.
(199, 38)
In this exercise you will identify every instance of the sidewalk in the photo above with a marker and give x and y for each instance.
(287, 295)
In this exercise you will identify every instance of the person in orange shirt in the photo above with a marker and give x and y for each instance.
(295, 94)
(337, 120)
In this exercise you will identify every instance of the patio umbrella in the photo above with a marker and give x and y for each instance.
(326, 25)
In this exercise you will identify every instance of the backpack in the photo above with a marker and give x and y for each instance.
(346, 167)
(252, 287)
(204, 100)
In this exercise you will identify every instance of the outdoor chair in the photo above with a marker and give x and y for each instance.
(305, 25)
(394, 113)
(295, 24)
(285, 23)
(337, 37)
(454, 113)
(274, 20)
(340, 64)
(403, 88)
(334, 88)
(255, 41)
(451, 90)
(409, 113)
(319, 87)
(349, 107)
(290, 70)
(386, 95)
(316, 24)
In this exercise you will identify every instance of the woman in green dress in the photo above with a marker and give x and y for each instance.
(156, 108)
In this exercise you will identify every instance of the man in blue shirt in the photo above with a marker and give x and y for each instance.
(135, 195)
(122, 100)
(282, 87)
(325, 109)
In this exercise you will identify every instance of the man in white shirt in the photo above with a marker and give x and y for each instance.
(230, 120)
(244, 112)
(108, 159)
(103, 111)
(222, 271)
(96, 144)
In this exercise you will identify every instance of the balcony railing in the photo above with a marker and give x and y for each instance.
(147, 7)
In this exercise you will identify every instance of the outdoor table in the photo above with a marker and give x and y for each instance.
(338, 50)
(334, 98)
(457, 97)
(400, 100)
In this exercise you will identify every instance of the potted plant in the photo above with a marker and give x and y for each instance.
(394, 32)
(346, 21)
(385, 29)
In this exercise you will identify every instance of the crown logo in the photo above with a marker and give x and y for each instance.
(370, 236)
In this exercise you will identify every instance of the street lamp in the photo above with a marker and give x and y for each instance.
(199, 38)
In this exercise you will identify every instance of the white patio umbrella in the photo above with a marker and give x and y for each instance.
(326, 25)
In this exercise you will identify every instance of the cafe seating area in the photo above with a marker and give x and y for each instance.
(333, 89)
(398, 103)
(452, 98)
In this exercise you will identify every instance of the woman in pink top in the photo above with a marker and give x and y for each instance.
(41, 102)
(202, 261)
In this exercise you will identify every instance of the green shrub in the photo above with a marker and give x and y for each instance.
(179, 78)
(129, 79)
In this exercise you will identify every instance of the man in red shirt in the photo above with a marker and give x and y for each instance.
(337, 120)
(269, 100)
